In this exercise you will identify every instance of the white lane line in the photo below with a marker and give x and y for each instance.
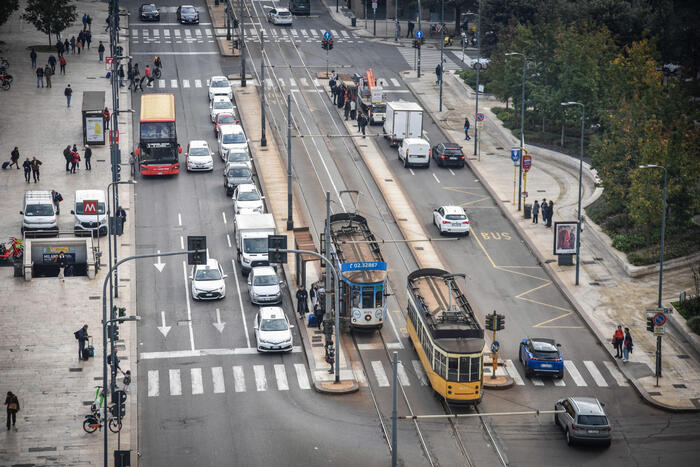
(345, 33)
(616, 374)
(166, 33)
(412, 172)
(144, 34)
(359, 373)
(334, 32)
(294, 33)
(179, 219)
(403, 377)
(217, 377)
(536, 381)
(156, 33)
(452, 172)
(173, 83)
(559, 382)
(188, 34)
(223, 214)
(197, 385)
(596, 374)
(281, 81)
(208, 32)
(304, 82)
(175, 386)
(260, 381)
(435, 177)
(420, 372)
(238, 379)
(573, 372)
(177, 34)
(304, 33)
(228, 240)
(240, 302)
(313, 32)
(185, 83)
(134, 32)
(513, 373)
(302, 378)
(281, 377)
(182, 242)
(198, 33)
(189, 308)
(198, 83)
(379, 374)
(153, 383)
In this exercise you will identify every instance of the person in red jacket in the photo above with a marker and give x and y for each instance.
(618, 338)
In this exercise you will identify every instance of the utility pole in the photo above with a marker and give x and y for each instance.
(263, 139)
(240, 23)
(290, 214)
(478, 67)
(374, 14)
(394, 411)
(419, 28)
(442, 46)
(396, 20)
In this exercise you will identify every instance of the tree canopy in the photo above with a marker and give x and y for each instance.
(50, 16)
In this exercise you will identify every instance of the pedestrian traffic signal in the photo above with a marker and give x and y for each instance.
(197, 242)
(650, 323)
(500, 322)
(324, 44)
(274, 243)
(489, 322)
(113, 332)
(118, 410)
(417, 43)
(118, 397)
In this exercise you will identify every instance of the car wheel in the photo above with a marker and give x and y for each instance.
(606, 444)
(560, 375)
(569, 439)
(405, 162)
(528, 372)
(466, 234)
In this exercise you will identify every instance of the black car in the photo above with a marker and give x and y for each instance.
(448, 154)
(187, 14)
(149, 12)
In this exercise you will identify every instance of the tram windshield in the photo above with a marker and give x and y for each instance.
(368, 296)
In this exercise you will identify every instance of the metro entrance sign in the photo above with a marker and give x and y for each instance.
(90, 206)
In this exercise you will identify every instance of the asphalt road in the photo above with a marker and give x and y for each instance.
(297, 423)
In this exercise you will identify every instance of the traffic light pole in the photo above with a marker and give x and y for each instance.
(419, 28)
(290, 211)
(242, 37)
(263, 138)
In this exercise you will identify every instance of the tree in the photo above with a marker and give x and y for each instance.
(50, 16)
(6, 9)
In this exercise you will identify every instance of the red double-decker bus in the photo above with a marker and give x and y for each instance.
(158, 149)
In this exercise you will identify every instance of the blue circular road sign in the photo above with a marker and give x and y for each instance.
(327, 35)
(495, 346)
(419, 34)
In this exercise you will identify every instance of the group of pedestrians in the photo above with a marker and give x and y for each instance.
(622, 342)
(547, 212)
(32, 168)
(134, 76)
(72, 157)
(303, 307)
(344, 99)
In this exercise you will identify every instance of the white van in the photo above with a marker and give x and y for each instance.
(414, 151)
(232, 137)
(87, 222)
(39, 213)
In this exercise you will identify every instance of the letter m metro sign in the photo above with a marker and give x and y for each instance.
(90, 206)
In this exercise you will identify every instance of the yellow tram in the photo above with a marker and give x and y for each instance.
(446, 335)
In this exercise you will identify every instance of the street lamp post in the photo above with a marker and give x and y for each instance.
(580, 187)
(421, 39)
(522, 126)
(442, 46)
(242, 37)
(263, 138)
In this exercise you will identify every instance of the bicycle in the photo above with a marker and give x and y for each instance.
(93, 421)
(5, 83)
(15, 250)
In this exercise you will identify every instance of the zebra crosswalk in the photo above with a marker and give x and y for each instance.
(205, 34)
(174, 35)
(300, 35)
(429, 58)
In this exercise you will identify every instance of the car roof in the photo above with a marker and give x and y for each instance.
(451, 146)
(148, 4)
(415, 141)
(225, 114)
(81, 195)
(271, 312)
(199, 143)
(264, 271)
(231, 128)
(219, 78)
(211, 264)
(281, 9)
(186, 6)
(247, 187)
(221, 98)
(236, 165)
(587, 405)
(453, 209)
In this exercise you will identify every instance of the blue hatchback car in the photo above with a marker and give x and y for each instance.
(541, 356)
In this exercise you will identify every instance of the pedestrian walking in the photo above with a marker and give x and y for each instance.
(127, 380)
(121, 219)
(74, 150)
(88, 156)
(101, 51)
(319, 312)
(62, 64)
(14, 158)
(68, 157)
(143, 78)
(89, 23)
(61, 262)
(82, 336)
(88, 38)
(550, 213)
(148, 74)
(52, 62)
(398, 29)
(410, 28)
(353, 110)
(313, 295)
(130, 77)
(12, 404)
(84, 21)
(438, 73)
(57, 198)
(79, 44)
(347, 109)
(66, 46)
(36, 163)
(302, 306)
(627, 346)
(72, 44)
(617, 340)
(132, 164)
(68, 92)
(59, 47)
(466, 129)
(47, 75)
(40, 76)
(535, 212)
(113, 360)
(362, 124)
(27, 164)
(341, 96)
(32, 56)
(543, 207)
(120, 72)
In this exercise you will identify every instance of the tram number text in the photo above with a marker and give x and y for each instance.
(496, 236)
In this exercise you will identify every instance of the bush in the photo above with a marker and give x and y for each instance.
(694, 324)
(689, 308)
(469, 77)
(628, 242)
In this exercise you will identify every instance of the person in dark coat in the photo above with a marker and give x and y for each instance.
(101, 51)
(36, 164)
(82, 336)
(14, 158)
(543, 207)
(59, 48)
(362, 123)
(347, 109)
(410, 28)
(61, 262)
(12, 404)
(57, 198)
(302, 306)
(438, 73)
(32, 55)
(319, 312)
(121, 219)
(341, 96)
(627, 345)
(466, 129)
(52, 62)
(550, 213)
(535, 211)
(67, 157)
(66, 46)
(27, 164)
(68, 92)
(88, 155)
(72, 44)
(88, 38)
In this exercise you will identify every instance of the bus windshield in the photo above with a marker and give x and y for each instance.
(158, 131)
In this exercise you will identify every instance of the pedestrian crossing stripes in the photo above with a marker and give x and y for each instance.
(193, 34)
(389, 84)
(429, 59)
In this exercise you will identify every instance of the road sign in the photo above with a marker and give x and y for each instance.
(527, 162)
(327, 35)
(659, 330)
(90, 206)
(659, 319)
(419, 34)
(495, 346)
(523, 194)
(480, 117)
(515, 154)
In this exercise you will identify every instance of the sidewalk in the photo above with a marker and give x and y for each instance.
(38, 353)
(606, 296)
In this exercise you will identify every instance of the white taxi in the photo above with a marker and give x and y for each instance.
(199, 156)
(220, 105)
(451, 219)
(220, 86)
(247, 200)
(273, 332)
(208, 281)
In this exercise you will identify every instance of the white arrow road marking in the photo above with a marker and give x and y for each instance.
(219, 325)
(159, 265)
(163, 328)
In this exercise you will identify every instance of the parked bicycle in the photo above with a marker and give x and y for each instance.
(5, 83)
(438, 28)
(14, 251)
(94, 420)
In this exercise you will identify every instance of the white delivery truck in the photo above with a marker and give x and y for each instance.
(252, 231)
(403, 120)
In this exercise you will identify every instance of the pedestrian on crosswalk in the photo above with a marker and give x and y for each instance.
(627, 346)
(141, 80)
(149, 75)
(302, 306)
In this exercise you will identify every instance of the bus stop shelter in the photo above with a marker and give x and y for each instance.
(94, 124)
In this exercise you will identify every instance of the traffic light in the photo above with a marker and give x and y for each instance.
(277, 242)
(324, 44)
(197, 242)
(118, 396)
(417, 43)
(650, 323)
(500, 322)
(118, 410)
(489, 322)
(113, 332)
(330, 44)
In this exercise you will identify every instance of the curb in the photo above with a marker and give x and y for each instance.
(499, 382)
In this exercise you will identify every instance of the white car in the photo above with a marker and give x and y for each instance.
(232, 138)
(451, 219)
(208, 281)
(238, 156)
(263, 286)
(280, 16)
(247, 200)
(273, 332)
(219, 105)
(220, 86)
(199, 156)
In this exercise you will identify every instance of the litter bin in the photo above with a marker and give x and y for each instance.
(527, 212)
(353, 22)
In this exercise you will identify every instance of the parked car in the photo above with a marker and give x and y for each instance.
(280, 16)
(273, 333)
(583, 419)
(199, 156)
(187, 14)
(219, 105)
(149, 12)
(220, 86)
(247, 199)
(541, 356)
(208, 281)
(236, 174)
(451, 219)
(448, 154)
(263, 286)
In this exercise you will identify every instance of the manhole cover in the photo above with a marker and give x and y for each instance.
(684, 356)
(679, 386)
(654, 393)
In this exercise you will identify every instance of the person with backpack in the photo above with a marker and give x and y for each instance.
(57, 198)
(12, 404)
(52, 62)
(82, 336)
(627, 346)
(466, 129)
(59, 48)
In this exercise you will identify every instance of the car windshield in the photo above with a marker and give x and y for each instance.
(232, 138)
(249, 196)
(592, 420)
(456, 217)
(199, 151)
(40, 210)
(219, 84)
(239, 172)
(207, 275)
(273, 325)
(284, 13)
(149, 8)
(223, 105)
(237, 157)
(226, 119)
(255, 245)
(265, 280)
(79, 208)
(188, 9)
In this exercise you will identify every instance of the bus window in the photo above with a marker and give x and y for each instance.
(378, 296)
(367, 297)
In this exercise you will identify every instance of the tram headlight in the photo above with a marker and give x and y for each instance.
(368, 317)
(356, 314)
(379, 313)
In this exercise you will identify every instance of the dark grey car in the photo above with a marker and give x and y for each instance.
(583, 419)
(236, 173)
(187, 14)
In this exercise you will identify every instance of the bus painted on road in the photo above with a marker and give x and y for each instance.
(158, 150)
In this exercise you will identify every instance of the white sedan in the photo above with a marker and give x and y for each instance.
(220, 86)
(219, 105)
(208, 281)
(451, 219)
(280, 16)
(199, 156)
(247, 199)
(273, 332)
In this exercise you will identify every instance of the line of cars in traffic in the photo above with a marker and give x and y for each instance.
(185, 14)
